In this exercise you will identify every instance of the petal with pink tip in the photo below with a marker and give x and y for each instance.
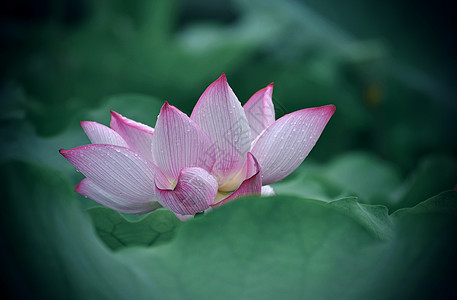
(251, 186)
(101, 134)
(194, 192)
(283, 146)
(219, 113)
(260, 110)
(118, 170)
(138, 136)
(178, 142)
(123, 203)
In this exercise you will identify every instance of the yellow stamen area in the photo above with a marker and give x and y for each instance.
(228, 187)
(232, 184)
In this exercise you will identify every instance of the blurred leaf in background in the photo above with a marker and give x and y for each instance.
(119, 46)
(391, 98)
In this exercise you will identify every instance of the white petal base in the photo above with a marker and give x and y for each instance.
(267, 191)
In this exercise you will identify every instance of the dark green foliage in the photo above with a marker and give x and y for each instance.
(370, 214)
(261, 248)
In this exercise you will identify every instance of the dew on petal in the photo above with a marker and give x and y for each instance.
(293, 133)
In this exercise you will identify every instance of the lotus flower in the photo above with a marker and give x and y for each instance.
(223, 151)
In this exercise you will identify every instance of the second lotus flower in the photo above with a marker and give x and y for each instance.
(188, 164)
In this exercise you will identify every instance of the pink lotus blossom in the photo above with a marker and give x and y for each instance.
(223, 151)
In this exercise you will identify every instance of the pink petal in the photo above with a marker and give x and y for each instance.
(122, 203)
(260, 111)
(118, 170)
(252, 167)
(194, 192)
(179, 143)
(283, 146)
(219, 113)
(138, 136)
(251, 186)
(101, 134)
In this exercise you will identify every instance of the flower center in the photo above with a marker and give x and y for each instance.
(228, 187)
(221, 196)
(232, 184)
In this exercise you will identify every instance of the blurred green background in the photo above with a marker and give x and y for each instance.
(388, 66)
